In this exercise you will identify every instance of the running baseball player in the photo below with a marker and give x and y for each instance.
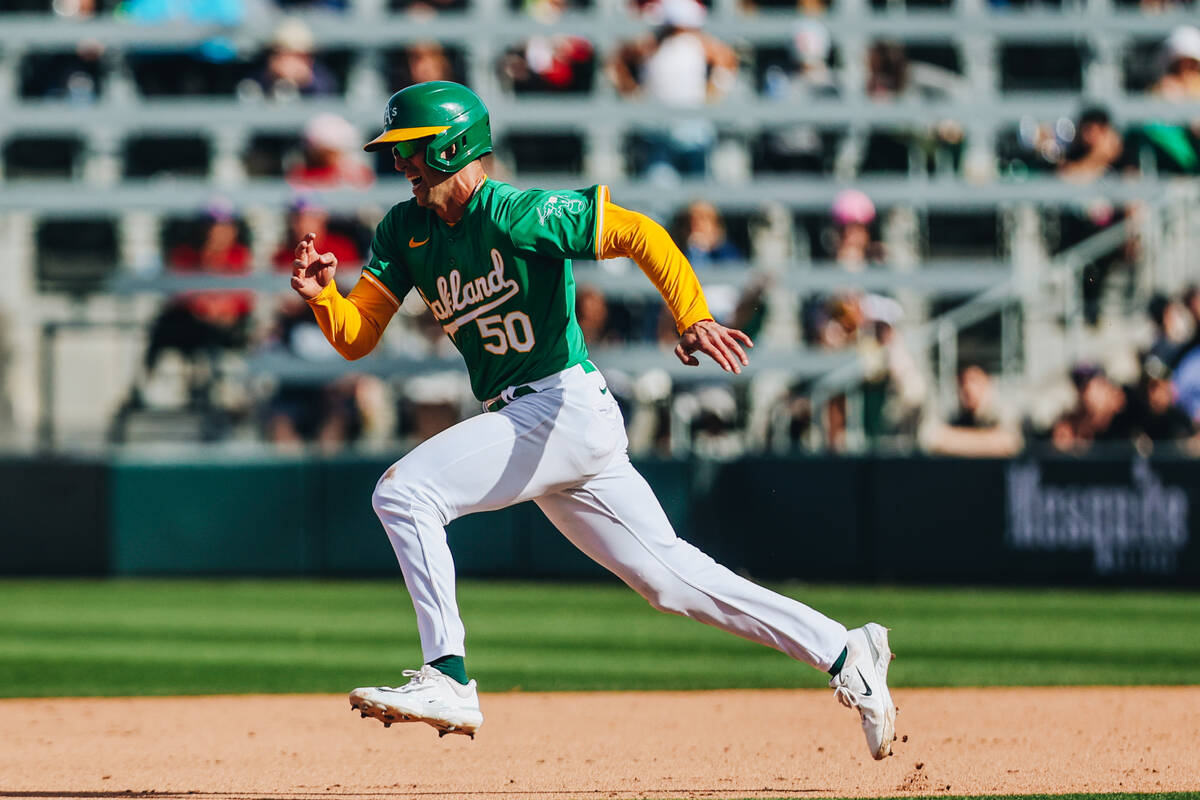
(493, 264)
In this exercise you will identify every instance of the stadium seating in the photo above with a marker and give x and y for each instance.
(114, 134)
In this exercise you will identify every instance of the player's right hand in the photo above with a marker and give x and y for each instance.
(311, 271)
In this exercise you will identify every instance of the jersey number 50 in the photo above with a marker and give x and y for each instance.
(513, 330)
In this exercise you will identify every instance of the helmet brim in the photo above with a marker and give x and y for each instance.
(394, 135)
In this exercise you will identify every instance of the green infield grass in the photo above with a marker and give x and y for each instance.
(165, 637)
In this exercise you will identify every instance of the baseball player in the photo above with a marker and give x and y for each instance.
(493, 264)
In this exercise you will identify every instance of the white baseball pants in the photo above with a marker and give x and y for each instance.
(565, 448)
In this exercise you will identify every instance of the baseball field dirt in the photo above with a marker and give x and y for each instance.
(722, 744)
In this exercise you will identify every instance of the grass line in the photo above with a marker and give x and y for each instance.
(129, 637)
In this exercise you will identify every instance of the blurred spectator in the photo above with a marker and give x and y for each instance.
(421, 62)
(1180, 79)
(73, 76)
(854, 246)
(546, 12)
(887, 70)
(1160, 418)
(1190, 302)
(1102, 413)
(930, 71)
(799, 148)
(1171, 148)
(295, 328)
(330, 414)
(591, 311)
(700, 233)
(209, 68)
(332, 156)
(292, 70)
(812, 8)
(678, 67)
(894, 387)
(432, 403)
(712, 417)
(1172, 329)
(975, 430)
(75, 9)
(560, 63)
(216, 12)
(205, 322)
(311, 5)
(306, 216)
(1186, 377)
(807, 72)
(1097, 149)
(426, 8)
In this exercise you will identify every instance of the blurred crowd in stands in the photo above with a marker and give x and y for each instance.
(201, 329)
(680, 65)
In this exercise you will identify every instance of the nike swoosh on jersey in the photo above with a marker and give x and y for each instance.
(412, 241)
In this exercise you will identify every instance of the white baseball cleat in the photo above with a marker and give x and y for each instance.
(429, 696)
(862, 684)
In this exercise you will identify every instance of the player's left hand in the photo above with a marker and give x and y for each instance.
(723, 345)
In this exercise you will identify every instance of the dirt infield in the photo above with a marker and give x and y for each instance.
(730, 744)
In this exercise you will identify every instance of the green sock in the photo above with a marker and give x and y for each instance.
(452, 667)
(837, 665)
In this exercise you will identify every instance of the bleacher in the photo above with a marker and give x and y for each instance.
(95, 175)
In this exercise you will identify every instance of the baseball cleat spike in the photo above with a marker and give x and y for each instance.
(387, 724)
(429, 697)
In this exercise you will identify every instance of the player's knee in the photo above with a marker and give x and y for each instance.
(401, 493)
(665, 594)
(393, 491)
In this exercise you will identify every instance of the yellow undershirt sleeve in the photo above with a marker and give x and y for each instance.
(636, 236)
(353, 324)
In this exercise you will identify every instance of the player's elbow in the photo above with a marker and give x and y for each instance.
(352, 352)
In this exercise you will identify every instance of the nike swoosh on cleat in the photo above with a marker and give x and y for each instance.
(412, 242)
(866, 685)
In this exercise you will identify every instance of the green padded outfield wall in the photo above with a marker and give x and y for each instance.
(247, 515)
(54, 516)
(1114, 520)
(264, 515)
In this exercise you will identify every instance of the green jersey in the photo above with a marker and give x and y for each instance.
(499, 280)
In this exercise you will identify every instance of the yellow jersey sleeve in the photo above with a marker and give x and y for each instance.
(636, 236)
(354, 324)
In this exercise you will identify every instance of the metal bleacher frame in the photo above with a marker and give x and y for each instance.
(601, 118)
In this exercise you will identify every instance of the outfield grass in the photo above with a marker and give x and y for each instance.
(133, 637)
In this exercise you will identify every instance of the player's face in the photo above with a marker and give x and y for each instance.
(426, 181)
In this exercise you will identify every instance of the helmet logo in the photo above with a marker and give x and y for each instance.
(389, 114)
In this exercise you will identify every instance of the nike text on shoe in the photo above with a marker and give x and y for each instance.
(862, 684)
(429, 697)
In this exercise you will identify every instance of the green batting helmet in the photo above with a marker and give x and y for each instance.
(449, 112)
